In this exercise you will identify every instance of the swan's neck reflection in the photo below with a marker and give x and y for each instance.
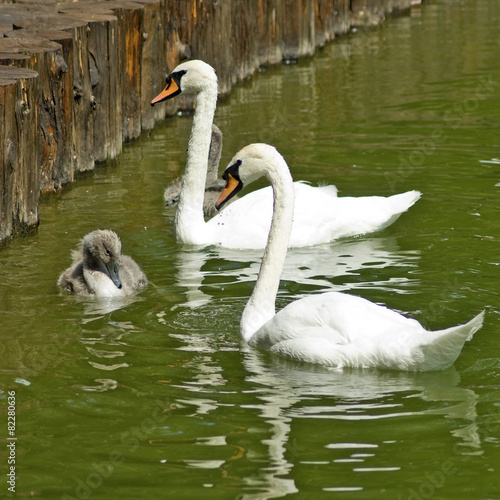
(312, 266)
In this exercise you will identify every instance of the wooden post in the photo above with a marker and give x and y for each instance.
(77, 97)
(62, 170)
(45, 57)
(154, 66)
(130, 30)
(19, 93)
(105, 126)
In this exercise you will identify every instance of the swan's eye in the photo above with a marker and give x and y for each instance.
(172, 89)
(231, 172)
(176, 77)
(233, 184)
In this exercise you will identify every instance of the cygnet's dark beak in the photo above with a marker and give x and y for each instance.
(112, 267)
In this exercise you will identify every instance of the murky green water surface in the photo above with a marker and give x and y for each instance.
(157, 397)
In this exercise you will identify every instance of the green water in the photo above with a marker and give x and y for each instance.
(157, 397)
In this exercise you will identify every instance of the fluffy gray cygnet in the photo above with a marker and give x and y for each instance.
(100, 270)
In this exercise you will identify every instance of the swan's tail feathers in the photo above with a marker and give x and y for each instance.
(475, 324)
(402, 202)
(444, 346)
(398, 204)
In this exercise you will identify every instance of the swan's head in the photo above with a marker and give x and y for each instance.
(248, 165)
(101, 252)
(189, 77)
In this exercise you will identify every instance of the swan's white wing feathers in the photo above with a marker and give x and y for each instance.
(319, 216)
(340, 330)
(337, 330)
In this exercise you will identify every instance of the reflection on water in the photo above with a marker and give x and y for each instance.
(493, 161)
(316, 267)
(97, 308)
(287, 395)
(162, 381)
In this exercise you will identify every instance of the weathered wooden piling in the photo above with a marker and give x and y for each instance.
(18, 158)
(77, 78)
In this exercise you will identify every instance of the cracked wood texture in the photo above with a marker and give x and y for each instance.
(77, 78)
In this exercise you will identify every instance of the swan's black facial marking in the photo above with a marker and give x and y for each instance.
(176, 77)
(172, 89)
(234, 171)
(233, 184)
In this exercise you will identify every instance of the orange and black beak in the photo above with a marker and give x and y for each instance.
(233, 184)
(172, 89)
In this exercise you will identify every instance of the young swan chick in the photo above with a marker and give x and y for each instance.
(99, 269)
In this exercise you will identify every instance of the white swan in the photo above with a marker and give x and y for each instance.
(333, 328)
(99, 269)
(321, 215)
(213, 185)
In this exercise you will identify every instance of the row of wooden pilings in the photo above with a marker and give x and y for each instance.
(77, 78)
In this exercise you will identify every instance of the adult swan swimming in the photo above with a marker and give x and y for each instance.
(321, 216)
(333, 328)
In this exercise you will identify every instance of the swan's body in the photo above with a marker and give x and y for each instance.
(99, 269)
(332, 329)
(213, 185)
(321, 215)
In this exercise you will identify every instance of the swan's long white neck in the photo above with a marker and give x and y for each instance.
(189, 221)
(261, 306)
